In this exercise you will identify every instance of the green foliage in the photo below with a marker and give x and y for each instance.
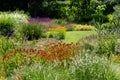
(116, 12)
(82, 67)
(99, 15)
(115, 58)
(19, 17)
(56, 34)
(59, 21)
(106, 46)
(110, 17)
(108, 35)
(90, 67)
(6, 25)
(68, 13)
(53, 9)
(13, 60)
(11, 20)
(82, 9)
(33, 31)
(46, 71)
(6, 45)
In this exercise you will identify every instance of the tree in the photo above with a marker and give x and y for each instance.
(83, 9)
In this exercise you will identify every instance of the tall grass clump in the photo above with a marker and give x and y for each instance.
(92, 67)
(6, 45)
(18, 16)
(33, 31)
(6, 25)
(11, 20)
(46, 71)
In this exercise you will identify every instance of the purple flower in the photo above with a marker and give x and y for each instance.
(10, 34)
(39, 19)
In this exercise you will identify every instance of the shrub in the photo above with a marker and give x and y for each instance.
(106, 46)
(11, 20)
(59, 21)
(83, 27)
(57, 35)
(107, 38)
(57, 32)
(6, 25)
(33, 31)
(18, 16)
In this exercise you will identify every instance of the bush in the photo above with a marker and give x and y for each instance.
(11, 20)
(106, 46)
(18, 16)
(57, 32)
(59, 21)
(83, 27)
(6, 25)
(107, 38)
(33, 31)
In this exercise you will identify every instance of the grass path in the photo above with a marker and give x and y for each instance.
(74, 36)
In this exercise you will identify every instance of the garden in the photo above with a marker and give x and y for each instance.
(63, 46)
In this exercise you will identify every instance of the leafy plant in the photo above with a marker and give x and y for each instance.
(108, 36)
(57, 32)
(90, 67)
(6, 25)
(33, 31)
(59, 21)
(19, 17)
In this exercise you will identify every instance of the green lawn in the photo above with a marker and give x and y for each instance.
(74, 36)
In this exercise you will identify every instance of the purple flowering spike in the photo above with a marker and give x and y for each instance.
(10, 33)
(40, 19)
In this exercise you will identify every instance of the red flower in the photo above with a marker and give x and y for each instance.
(32, 50)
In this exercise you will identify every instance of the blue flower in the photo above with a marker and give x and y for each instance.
(10, 34)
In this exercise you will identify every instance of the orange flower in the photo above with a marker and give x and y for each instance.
(32, 50)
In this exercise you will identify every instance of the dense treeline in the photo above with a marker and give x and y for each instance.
(77, 10)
